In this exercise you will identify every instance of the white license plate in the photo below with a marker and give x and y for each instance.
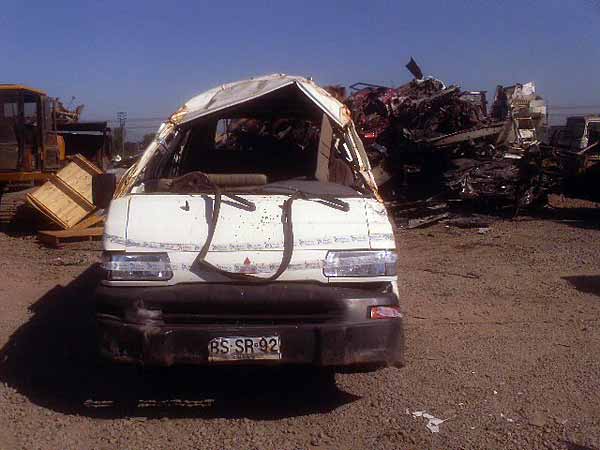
(232, 348)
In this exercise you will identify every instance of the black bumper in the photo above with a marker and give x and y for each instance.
(318, 325)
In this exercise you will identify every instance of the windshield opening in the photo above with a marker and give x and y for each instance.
(9, 112)
(274, 149)
(247, 153)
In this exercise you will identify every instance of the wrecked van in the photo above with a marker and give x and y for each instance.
(250, 232)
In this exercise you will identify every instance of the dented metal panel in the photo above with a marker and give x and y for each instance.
(232, 94)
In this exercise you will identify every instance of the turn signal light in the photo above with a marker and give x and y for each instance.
(385, 312)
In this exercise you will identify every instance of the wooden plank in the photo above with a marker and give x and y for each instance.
(55, 238)
(68, 189)
(79, 180)
(45, 211)
(86, 164)
(47, 239)
(88, 222)
(79, 176)
(83, 232)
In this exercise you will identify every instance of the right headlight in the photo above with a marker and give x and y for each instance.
(137, 266)
(360, 263)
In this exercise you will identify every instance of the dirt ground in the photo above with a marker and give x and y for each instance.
(503, 344)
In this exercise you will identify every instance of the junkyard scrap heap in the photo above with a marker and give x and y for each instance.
(425, 138)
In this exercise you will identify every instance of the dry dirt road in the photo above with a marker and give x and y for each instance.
(503, 344)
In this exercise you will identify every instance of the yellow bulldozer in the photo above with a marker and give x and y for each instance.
(29, 144)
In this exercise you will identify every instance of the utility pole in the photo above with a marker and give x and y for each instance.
(122, 118)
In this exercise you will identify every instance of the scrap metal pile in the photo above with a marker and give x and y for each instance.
(65, 115)
(427, 139)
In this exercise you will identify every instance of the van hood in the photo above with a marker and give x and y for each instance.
(179, 225)
(181, 222)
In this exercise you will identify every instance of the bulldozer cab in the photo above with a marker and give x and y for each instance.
(28, 138)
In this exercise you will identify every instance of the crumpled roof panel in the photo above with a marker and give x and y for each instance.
(232, 94)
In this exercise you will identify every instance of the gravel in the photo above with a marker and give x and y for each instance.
(503, 344)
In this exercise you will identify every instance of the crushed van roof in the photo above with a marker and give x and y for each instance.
(232, 94)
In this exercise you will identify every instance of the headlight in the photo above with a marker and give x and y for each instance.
(137, 266)
(360, 263)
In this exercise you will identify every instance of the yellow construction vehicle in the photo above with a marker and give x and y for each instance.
(30, 147)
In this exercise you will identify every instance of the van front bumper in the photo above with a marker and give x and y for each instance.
(317, 324)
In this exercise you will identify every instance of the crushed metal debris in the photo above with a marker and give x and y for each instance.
(428, 141)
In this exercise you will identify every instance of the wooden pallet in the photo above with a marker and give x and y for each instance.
(89, 229)
(58, 237)
(66, 198)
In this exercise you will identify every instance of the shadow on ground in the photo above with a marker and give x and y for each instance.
(581, 217)
(590, 284)
(52, 360)
(574, 446)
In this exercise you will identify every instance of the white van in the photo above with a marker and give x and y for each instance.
(250, 232)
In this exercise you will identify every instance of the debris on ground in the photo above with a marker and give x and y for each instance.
(426, 221)
(433, 423)
(473, 221)
(508, 419)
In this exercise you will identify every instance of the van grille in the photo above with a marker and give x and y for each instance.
(254, 319)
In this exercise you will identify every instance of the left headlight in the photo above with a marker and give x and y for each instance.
(137, 266)
(360, 263)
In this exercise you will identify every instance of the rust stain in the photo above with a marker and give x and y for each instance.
(178, 115)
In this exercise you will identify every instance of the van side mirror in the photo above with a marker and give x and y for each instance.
(103, 189)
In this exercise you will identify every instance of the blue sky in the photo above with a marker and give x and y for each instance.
(148, 57)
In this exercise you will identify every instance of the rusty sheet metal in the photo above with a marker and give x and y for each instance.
(465, 136)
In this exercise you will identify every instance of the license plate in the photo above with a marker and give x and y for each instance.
(233, 348)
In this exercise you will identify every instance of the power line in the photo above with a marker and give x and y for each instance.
(142, 119)
(122, 118)
(574, 107)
